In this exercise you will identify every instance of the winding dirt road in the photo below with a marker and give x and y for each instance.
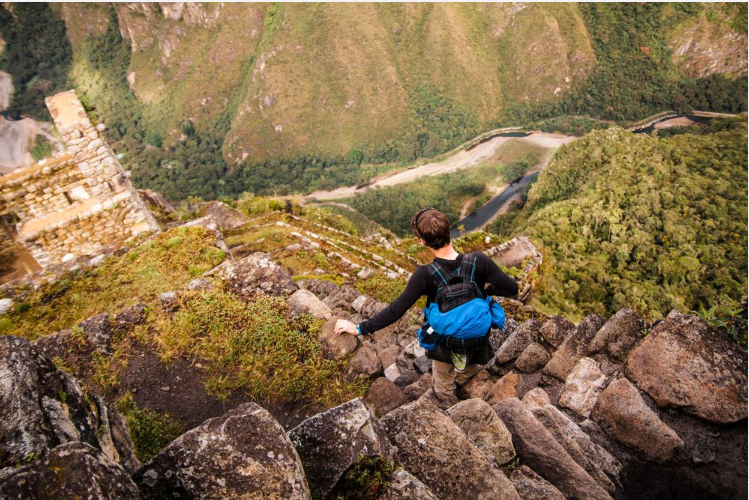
(460, 160)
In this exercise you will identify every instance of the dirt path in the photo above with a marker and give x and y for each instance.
(460, 160)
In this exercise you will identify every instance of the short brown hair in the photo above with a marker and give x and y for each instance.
(432, 227)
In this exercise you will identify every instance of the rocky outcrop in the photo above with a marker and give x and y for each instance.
(331, 442)
(538, 448)
(517, 342)
(434, 449)
(365, 363)
(683, 363)
(624, 413)
(531, 486)
(619, 335)
(484, 428)
(582, 387)
(305, 302)
(405, 486)
(243, 454)
(42, 407)
(71, 470)
(256, 274)
(574, 347)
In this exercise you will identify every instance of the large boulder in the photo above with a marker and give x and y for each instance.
(305, 302)
(531, 486)
(518, 340)
(243, 454)
(574, 347)
(256, 274)
(619, 335)
(336, 346)
(384, 396)
(538, 448)
(574, 436)
(225, 216)
(533, 358)
(42, 407)
(331, 442)
(434, 449)
(481, 425)
(340, 300)
(367, 306)
(71, 470)
(683, 363)
(622, 411)
(504, 388)
(582, 387)
(405, 486)
(365, 363)
(555, 330)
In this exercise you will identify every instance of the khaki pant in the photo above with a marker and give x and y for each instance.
(445, 376)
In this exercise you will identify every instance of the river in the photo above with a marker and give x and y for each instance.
(478, 219)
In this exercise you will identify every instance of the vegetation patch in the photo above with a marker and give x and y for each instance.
(382, 288)
(166, 262)
(149, 430)
(253, 347)
(365, 480)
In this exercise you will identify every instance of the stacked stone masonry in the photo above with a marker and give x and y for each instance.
(78, 203)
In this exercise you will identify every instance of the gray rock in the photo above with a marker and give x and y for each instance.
(422, 364)
(574, 347)
(336, 346)
(414, 350)
(531, 486)
(225, 216)
(168, 300)
(71, 470)
(294, 247)
(619, 335)
(538, 448)
(98, 331)
(533, 358)
(41, 407)
(417, 389)
(401, 375)
(341, 299)
(365, 273)
(516, 343)
(331, 442)
(683, 363)
(367, 306)
(5, 305)
(405, 486)
(549, 419)
(305, 302)
(243, 454)
(625, 415)
(256, 274)
(484, 428)
(434, 449)
(365, 363)
(133, 315)
(384, 396)
(200, 284)
(321, 288)
(555, 330)
(582, 387)
(97, 260)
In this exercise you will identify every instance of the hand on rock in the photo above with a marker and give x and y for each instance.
(344, 326)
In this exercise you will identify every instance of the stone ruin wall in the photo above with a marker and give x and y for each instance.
(78, 203)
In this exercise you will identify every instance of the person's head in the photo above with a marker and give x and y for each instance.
(432, 227)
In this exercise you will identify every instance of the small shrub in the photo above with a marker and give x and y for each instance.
(150, 431)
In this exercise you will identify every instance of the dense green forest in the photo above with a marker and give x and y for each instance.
(37, 55)
(639, 221)
(632, 78)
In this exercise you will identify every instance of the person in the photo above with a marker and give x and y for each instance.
(454, 361)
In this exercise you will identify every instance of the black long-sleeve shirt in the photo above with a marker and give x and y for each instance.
(487, 273)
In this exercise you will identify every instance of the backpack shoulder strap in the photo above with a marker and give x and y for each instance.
(441, 276)
(468, 267)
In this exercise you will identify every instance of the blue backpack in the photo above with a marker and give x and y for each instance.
(461, 310)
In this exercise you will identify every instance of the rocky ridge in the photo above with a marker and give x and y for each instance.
(592, 410)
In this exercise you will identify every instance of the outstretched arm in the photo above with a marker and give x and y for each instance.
(417, 286)
(497, 281)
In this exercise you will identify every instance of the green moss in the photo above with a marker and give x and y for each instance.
(149, 430)
(156, 266)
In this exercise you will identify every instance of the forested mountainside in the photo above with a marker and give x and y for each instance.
(656, 223)
(218, 99)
